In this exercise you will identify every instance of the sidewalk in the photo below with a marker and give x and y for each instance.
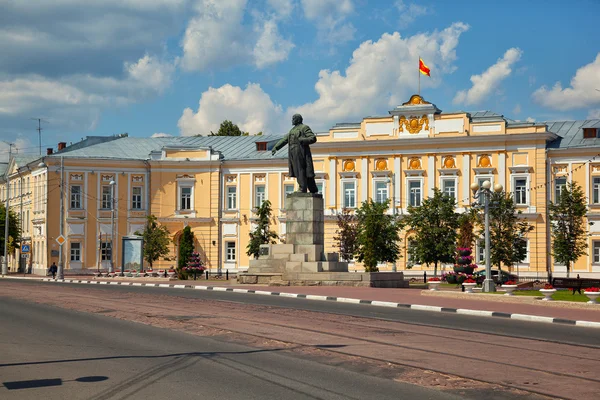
(514, 307)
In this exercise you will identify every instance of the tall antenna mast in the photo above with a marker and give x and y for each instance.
(39, 129)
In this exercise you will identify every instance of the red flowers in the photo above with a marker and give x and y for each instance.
(434, 279)
(469, 281)
(592, 289)
(510, 283)
(548, 286)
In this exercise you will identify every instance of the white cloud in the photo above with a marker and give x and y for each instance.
(517, 109)
(489, 80)
(409, 12)
(282, 8)
(270, 48)
(150, 72)
(530, 119)
(161, 134)
(330, 19)
(250, 108)
(583, 92)
(21, 145)
(594, 114)
(381, 75)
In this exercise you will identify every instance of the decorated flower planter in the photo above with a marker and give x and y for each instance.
(469, 286)
(463, 251)
(171, 273)
(150, 272)
(592, 294)
(465, 269)
(510, 289)
(434, 284)
(547, 294)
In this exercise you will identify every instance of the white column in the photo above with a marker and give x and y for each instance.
(398, 178)
(430, 175)
(332, 182)
(502, 169)
(364, 179)
(466, 175)
(587, 182)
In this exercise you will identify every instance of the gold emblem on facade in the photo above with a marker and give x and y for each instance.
(449, 162)
(414, 124)
(414, 163)
(484, 161)
(381, 164)
(415, 99)
(349, 166)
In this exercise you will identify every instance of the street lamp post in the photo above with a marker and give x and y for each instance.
(393, 182)
(485, 192)
(112, 226)
(61, 267)
(7, 221)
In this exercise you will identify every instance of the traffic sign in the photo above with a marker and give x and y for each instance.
(25, 248)
(61, 240)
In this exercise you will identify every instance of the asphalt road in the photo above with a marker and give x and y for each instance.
(558, 333)
(53, 353)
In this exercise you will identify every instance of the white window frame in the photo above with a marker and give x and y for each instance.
(595, 251)
(526, 259)
(185, 198)
(230, 252)
(258, 200)
(75, 253)
(595, 190)
(287, 186)
(480, 251)
(513, 181)
(343, 192)
(105, 251)
(323, 184)
(106, 197)
(137, 199)
(408, 191)
(75, 198)
(231, 196)
(454, 180)
(377, 182)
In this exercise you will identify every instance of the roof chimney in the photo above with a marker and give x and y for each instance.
(49, 151)
(61, 145)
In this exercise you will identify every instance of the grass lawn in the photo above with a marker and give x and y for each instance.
(562, 295)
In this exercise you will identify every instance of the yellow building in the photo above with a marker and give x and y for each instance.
(214, 184)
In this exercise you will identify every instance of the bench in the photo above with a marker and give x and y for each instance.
(576, 284)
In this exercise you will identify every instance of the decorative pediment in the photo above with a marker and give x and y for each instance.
(231, 178)
(484, 161)
(414, 163)
(520, 169)
(381, 164)
(349, 166)
(260, 178)
(413, 124)
(376, 174)
(107, 178)
(137, 178)
(185, 177)
(449, 162)
(561, 169)
(484, 171)
(348, 175)
(76, 177)
(414, 172)
(415, 99)
(448, 171)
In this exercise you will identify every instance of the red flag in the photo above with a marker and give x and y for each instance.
(424, 69)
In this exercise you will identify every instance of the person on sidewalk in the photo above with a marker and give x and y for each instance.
(53, 270)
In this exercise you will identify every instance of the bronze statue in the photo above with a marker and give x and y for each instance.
(300, 161)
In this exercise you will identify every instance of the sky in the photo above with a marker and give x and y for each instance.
(181, 67)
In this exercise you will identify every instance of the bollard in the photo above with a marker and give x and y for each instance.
(462, 288)
(206, 274)
(425, 276)
(227, 275)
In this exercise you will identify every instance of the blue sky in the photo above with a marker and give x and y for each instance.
(180, 67)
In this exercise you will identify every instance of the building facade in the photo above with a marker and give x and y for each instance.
(214, 184)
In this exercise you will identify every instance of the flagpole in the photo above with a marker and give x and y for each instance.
(419, 73)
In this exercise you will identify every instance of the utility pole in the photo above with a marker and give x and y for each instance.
(61, 267)
(6, 223)
(39, 129)
(112, 227)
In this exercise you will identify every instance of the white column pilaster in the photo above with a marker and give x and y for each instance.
(332, 182)
(466, 177)
(364, 179)
(430, 175)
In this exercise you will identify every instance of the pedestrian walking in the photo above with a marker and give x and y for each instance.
(53, 269)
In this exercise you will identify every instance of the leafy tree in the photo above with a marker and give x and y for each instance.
(186, 248)
(377, 239)
(434, 224)
(507, 233)
(467, 222)
(568, 225)
(156, 240)
(262, 234)
(14, 231)
(346, 235)
(228, 128)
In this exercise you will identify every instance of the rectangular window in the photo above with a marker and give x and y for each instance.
(106, 251)
(288, 189)
(231, 197)
(559, 186)
(75, 197)
(185, 201)
(136, 197)
(596, 246)
(449, 187)
(414, 191)
(381, 191)
(75, 251)
(349, 195)
(230, 251)
(106, 197)
(520, 192)
(589, 133)
(320, 187)
(259, 195)
(596, 190)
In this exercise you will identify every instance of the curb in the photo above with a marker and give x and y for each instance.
(419, 307)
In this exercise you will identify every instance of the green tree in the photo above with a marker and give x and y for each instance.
(507, 232)
(568, 226)
(377, 239)
(262, 234)
(467, 222)
(186, 248)
(156, 240)
(346, 234)
(228, 128)
(434, 224)
(14, 231)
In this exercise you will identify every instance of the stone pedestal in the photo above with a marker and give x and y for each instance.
(302, 260)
